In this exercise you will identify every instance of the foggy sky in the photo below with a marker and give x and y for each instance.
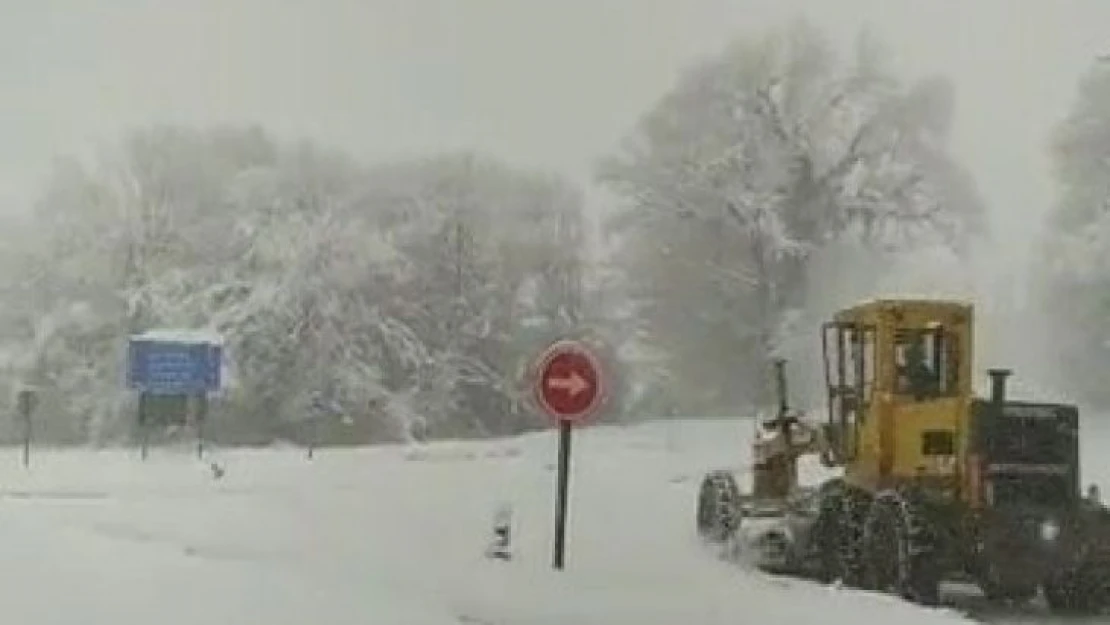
(553, 83)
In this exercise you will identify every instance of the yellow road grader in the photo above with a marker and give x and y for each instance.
(934, 483)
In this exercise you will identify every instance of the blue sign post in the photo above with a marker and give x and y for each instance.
(173, 373)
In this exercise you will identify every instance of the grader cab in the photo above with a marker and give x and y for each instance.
(935, 484)
(898, 376)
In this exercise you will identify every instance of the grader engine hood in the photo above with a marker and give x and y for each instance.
(1028, 453)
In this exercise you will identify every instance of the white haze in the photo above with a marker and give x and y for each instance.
(551, 84)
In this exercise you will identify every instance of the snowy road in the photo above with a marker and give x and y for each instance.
(394, 536)
(1036, 614)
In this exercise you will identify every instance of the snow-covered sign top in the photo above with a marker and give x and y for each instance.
(170, 335)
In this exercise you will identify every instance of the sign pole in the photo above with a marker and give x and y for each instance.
(200, 441)
(565, 429)
(26, 440)
(313, 433)
(142, 426)
(200, 413)
(568, 387)
(26, 400)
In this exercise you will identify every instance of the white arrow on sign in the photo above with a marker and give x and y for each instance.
(573, 384)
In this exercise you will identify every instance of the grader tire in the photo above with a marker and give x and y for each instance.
(1072, 594)
(881, 537)
(838, 533)
(902, 549)
(718, 507)
(826, 530)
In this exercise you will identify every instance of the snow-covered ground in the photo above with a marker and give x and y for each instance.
(392, 536)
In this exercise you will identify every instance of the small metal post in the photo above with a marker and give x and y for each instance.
(27, 440)
(26, 404)
(565, 428)
(141, 419)
(200, 415)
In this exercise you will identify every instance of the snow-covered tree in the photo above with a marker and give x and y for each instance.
(755, 163)
(497, 250)
(356, 303)
(1075, 257)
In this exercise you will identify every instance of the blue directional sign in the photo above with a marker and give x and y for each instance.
(159, 366)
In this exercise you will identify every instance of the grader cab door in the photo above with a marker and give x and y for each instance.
(849, 354)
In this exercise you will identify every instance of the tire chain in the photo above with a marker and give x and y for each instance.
(917, 544)
(853, 512)
(723, 496)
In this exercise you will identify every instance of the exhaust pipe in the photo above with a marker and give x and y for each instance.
(780, 387)
(998, 384)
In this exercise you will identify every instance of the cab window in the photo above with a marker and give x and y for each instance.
(925, 363)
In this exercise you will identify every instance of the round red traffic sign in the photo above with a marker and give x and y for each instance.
(568, 384)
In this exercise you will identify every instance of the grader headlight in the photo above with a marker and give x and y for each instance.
(1050, 530)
